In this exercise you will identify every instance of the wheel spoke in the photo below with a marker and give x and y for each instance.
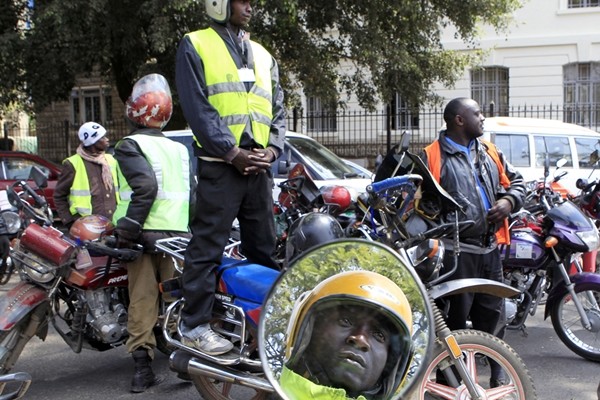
(471, 364)
(442, 391)
(501, 392)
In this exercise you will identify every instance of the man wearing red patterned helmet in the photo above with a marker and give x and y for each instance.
(229, 91)
(155, 188)
(86, 184)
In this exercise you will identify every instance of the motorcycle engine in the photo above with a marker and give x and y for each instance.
(107, 316)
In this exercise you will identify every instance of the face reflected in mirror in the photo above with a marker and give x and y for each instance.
(351, 346)
(348, 319)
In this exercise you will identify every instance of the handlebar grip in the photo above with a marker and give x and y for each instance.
(392, 182)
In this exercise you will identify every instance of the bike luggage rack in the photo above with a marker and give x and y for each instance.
(176, 246)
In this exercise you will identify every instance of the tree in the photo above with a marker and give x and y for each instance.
(13, 22)
(392, 46)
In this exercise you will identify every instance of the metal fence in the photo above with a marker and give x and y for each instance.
(350, 134)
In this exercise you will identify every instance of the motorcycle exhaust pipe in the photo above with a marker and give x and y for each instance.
(183, 362)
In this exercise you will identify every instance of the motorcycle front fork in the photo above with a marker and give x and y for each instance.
(448, 340)
(570, 286)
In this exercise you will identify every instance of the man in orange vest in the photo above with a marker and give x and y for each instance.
(476, 174)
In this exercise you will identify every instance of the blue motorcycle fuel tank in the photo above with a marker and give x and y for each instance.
(246, 284)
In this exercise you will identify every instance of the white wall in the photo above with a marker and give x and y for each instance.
(544, 36)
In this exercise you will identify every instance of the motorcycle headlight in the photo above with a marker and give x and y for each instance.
(12, 222)
(590, 238)
(33, 266)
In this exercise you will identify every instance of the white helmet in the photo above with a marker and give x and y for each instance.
(90, 133)
(218, 10)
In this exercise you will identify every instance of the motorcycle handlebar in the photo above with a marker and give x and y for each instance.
(394, 181)
(39, 200)
(125, 254)
(437, 232)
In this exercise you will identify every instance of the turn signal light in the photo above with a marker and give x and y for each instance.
(550, 241)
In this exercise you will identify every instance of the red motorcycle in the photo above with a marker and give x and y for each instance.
(76, 283)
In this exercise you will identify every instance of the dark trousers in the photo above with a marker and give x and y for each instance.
(222, 195)
(484, 310)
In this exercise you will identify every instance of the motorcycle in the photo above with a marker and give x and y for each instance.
(456, 353)
(77, 284)
(242, 287)
(547, 237)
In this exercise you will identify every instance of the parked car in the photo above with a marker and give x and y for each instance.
(525, 142)
(361, 171)
(324, 166)
(16, 165)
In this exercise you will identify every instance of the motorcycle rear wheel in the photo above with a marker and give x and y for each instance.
(475, 345)
(212, 389)
(13, 341)
(567, 322)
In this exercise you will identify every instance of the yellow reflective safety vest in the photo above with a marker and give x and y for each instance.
(170, 210)
(80, 197)
(227, 93)
(297, 387)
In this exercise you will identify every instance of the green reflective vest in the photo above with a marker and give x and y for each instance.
(170, 210)
(297, 387)
(228, 95)
(80, 197)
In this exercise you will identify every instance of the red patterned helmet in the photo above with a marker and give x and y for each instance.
(150, 104)
(91, 227)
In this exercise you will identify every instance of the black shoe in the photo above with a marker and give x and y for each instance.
(140, 383)
(143, 376)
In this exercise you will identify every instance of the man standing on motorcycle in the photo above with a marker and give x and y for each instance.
(476, 174)
(229, 91)
(86, 184)
(154, 177)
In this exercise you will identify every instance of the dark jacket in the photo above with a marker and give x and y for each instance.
(458, 179)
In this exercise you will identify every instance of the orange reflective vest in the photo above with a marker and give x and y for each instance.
(434, 161)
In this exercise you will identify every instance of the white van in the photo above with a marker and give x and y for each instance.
(525, 142)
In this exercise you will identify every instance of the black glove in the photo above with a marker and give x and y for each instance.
(127, 232)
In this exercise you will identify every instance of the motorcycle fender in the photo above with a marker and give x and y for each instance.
(560, 289)
(472, 285)
(18, 302)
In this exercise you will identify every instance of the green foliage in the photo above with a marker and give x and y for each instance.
(13, 16)
(384, 46)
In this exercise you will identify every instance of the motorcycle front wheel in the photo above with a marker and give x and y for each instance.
(567, 321)
(477, 348)
(13, 341)
(212, 389)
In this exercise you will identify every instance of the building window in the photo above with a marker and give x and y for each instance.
(489, 88)
(91, 104)
(583, 3)
(320, 117)
(404, 116)
(582, 93)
